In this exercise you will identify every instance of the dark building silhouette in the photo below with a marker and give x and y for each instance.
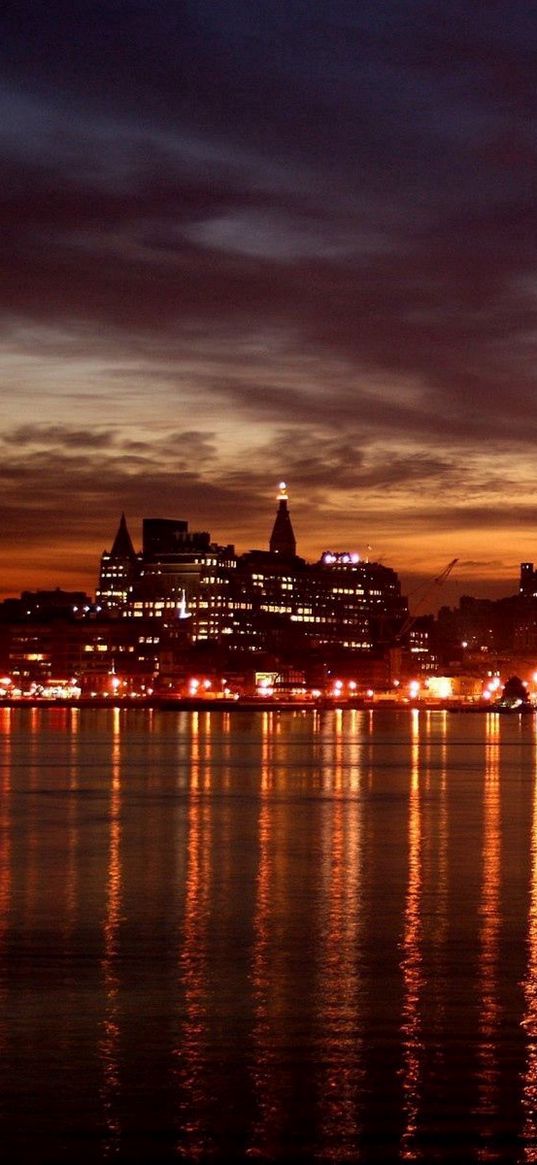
(282, 539)
(182, 593)
(46, 604)
(178, 569)
(166, 537)
(118, 572)
(528, 581)
(264, 600)
(122, 548)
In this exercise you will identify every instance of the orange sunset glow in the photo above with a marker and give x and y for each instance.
(206, 287)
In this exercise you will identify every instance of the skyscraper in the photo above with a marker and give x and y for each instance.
(118, 572)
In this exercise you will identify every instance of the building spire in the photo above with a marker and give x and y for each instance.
(122, 548)
(282, 539)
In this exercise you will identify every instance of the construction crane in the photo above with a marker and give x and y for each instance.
(429, 587)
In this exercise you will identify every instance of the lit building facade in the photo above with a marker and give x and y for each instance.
(354, 604)
(118, 573)
(182, 576)
(264, 600)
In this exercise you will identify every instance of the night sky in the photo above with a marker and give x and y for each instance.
(246, 241)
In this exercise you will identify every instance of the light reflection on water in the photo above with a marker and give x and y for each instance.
(489, 936)
(110, 963)
(436, 877)
(194, 1138)
(268, 936)
(267, 1117)
(529, 1019)
(412, 962)
(5, 881)
(339, 990)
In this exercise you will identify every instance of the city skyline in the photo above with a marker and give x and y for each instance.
(269, 242)
(423, 589)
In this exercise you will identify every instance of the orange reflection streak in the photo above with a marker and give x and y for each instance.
(355, 722)
(207, 739)
(411, 963)
(226, 744)
(268, 1115)
(72, 829)
(426, 762)
(109, 1046)
(193, 961)
(529, 1021)
(340, 1046)
(194, 750)
(337, 745)
(6, 718)
(369, 730)
(488, 1076)
(441, 911)
(70, 728)
(443, 838)
(32, 841)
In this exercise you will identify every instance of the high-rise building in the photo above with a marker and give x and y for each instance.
(528, 581)
(166, 537)
(118, 573)
(276, 601)
(264, 600)
(354, 604)
(178, 570)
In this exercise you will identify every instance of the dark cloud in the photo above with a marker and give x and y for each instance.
(59, 435)
(76, 478)
(482, 564)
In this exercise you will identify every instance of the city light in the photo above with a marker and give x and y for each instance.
(439, 687)
(342, 558)
(246, 611)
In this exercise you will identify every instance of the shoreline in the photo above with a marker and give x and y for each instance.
(252, 704)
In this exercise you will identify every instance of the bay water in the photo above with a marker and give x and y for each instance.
(273, 936)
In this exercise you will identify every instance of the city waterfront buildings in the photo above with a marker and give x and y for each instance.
(184, 604)
(254, 602)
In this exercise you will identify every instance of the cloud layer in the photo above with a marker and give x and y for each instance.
(271, 240)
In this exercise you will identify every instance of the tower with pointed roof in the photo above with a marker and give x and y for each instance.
(122, 548)
(119, 568)
(282, 539)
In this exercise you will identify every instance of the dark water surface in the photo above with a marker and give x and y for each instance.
(267, 936)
